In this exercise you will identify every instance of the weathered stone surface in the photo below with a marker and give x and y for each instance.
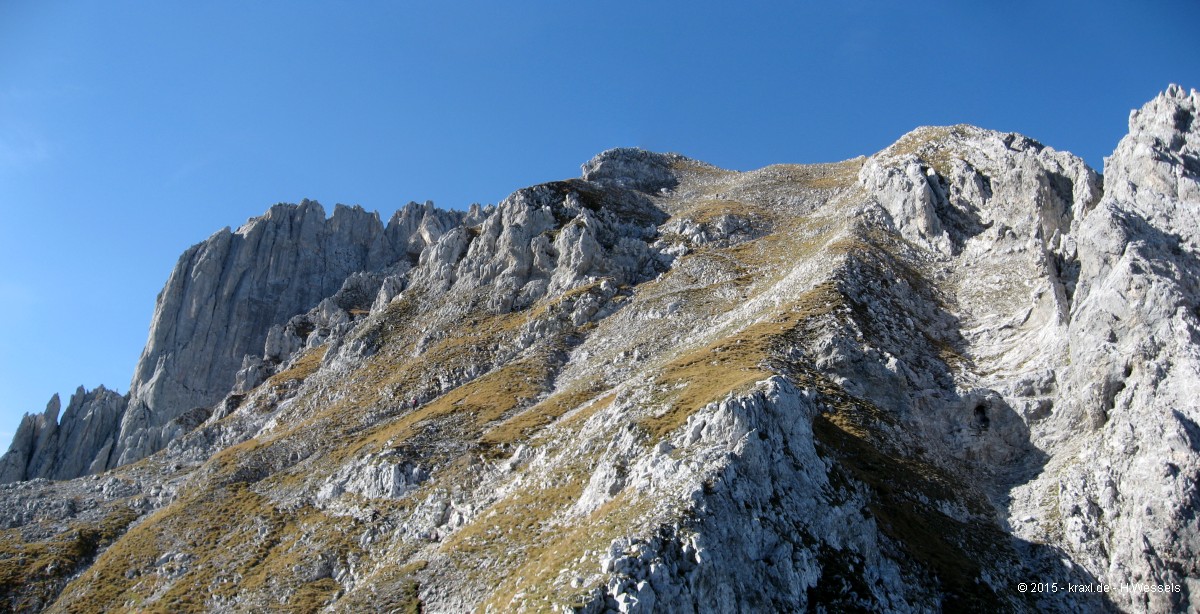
(902, 383)
(228, 302)
(222, 299)
(633, 168)
(46, 448)
(545, 240)
(1128, 464)
(30, 438)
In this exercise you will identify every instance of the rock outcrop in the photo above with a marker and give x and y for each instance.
(45, 448)
(222, 299)
(214, 315)
(946, 377)
(1123, 439)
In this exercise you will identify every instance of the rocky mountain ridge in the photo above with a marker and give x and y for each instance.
(907, 382)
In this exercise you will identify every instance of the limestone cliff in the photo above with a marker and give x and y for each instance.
(44, 448)
(214, 313)
(911, 382)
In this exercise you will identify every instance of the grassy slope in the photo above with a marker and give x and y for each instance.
(248, 539)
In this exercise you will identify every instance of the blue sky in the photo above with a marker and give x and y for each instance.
(129, 131)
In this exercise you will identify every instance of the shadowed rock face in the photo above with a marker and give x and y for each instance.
(79, 445)
(906, 382)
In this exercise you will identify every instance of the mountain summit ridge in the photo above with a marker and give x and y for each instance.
(903, 382)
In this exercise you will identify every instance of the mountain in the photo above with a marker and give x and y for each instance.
(960, 374)
(218, 307)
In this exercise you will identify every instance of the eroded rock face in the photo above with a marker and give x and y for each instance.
(635, 169)
(550, 238)
(900, 383)
(216, 314)
(223, 297)
(45, 448)
(943, 187)
(758, 453)
(1130, 393)
(1078, 313)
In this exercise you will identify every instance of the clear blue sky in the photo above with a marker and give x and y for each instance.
(129, 131)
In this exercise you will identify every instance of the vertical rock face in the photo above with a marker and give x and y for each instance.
(908, 382)
(415, 226)
(223, 297)
(226, 293)
(1076, 308)
(213, 315)
(44, 448)
(30, 439)
(1128, 490)
(994, 215)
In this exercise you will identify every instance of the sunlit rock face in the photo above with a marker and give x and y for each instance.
(905, 382)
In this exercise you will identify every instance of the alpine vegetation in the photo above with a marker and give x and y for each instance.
(961, 374)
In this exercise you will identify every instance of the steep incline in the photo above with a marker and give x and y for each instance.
(216, 310)
(1122, 485)
(226, 293)
(902, 383)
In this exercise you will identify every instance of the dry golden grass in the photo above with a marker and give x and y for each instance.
(829, 176)
(34, 572)
(731, 364)
(523, 425)
(520, 530)
(304, 366)
(932, 144)
(710, 210)
(197, 523)
(562, 549)
(390, 378)
(480, 401)
(708, 374)
(263, 548)
(902, 492)
(522, 541)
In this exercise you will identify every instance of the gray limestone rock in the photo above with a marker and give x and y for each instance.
(1131, 388)
(414, 227)
(1078, 313)
(28, 441)
(237, 296)
(899, 383)
(224, 296)
(633, 168)
(79, 445)
(544, 239)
